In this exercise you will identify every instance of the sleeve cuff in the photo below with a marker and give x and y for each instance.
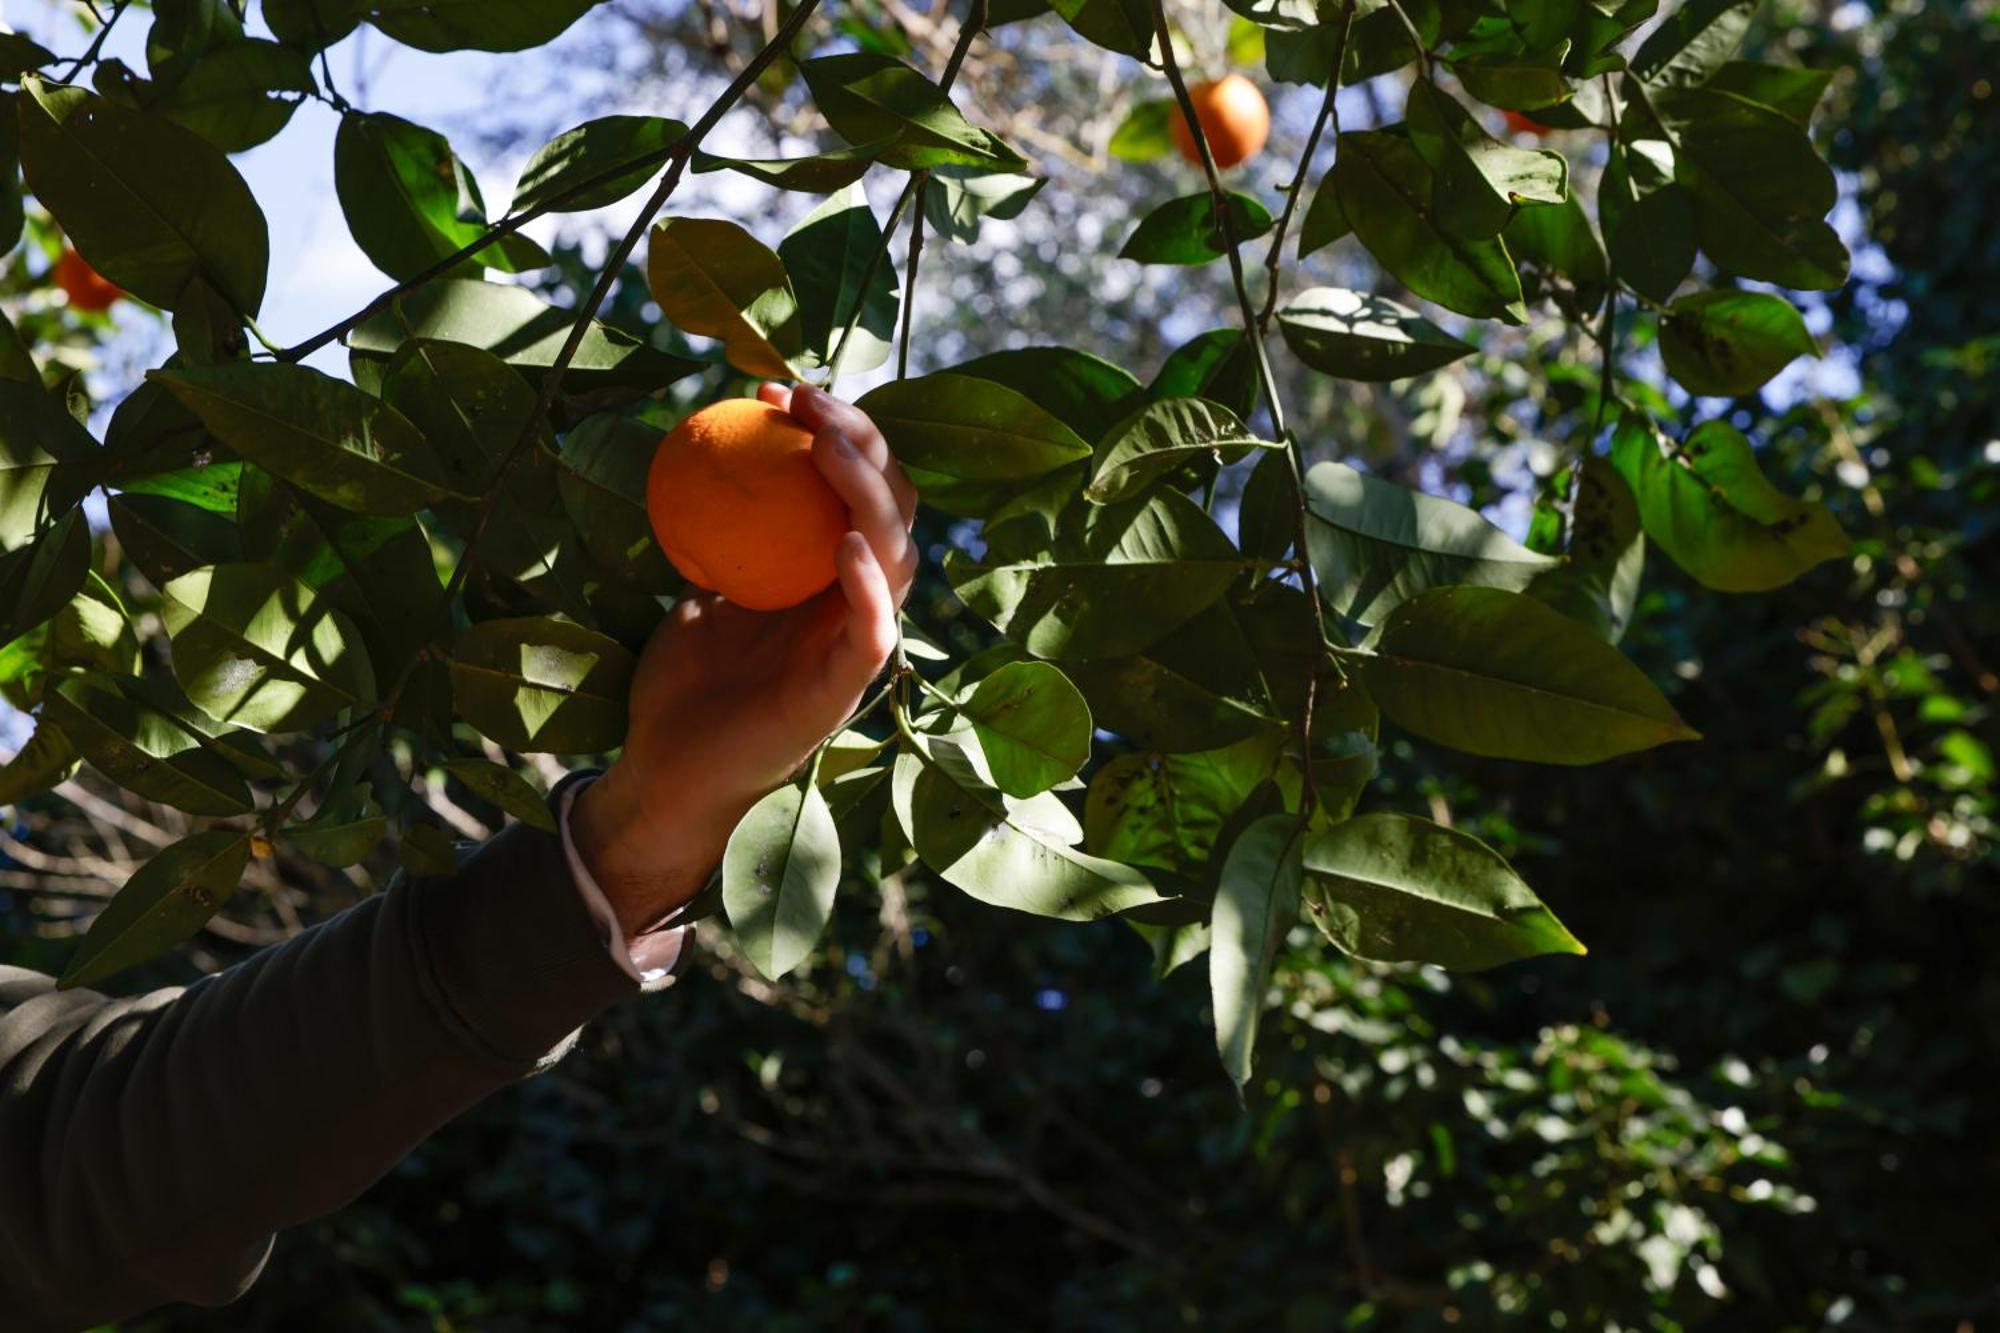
(652, 958)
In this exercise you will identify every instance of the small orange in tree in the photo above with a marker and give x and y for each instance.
(1234, 118)
(1521, 124)
(86, 288)
(740, 509)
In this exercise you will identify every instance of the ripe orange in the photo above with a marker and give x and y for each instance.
(1521, 124)
(740, 509)
(1234, 118)
(86, 288)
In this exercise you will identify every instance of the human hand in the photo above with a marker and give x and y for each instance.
(727, 703)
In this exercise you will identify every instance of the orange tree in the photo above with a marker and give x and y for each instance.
(318, 594)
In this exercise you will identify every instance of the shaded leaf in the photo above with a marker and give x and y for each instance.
(1186, 230)
(957, 435)
(261, 650)
(1256, 903)
(410, 202)
(1725, 343)
(826, 253)
(617, 153)
(1161, 437)
(164, 902)
(504, 787)
(542, 686)
(1351, 335)
(142, 748)
(1375, 544)
(870, 98)
(1492, 672)
(779, 876)
(1395, 889)
(1033, 726)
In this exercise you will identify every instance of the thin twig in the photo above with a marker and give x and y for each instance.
(96, 42)
(975, 23)
(1328, 114)
(1220, 202)
(921, 180)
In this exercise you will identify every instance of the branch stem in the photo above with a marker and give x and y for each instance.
(1329, 114)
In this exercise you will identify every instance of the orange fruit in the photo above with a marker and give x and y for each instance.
(1234, 118)
(1521, 124)
(86, 288)
(740, 509)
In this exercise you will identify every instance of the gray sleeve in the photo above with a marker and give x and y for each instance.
(149, 1147)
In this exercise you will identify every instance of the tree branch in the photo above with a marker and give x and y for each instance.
(1328, 114)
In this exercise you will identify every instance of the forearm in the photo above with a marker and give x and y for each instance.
(152, 1146)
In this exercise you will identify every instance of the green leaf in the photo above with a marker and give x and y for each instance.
(967, 442)
(39, 578)
(826, 254)
(1395, 889)
(1725, 343)
(1491, 672)
(1084, 392)
(1033, 726)
(542, 686)
(779, 876)
(714, 279)
(821, 173)
(505, 788)
(1199, 688)
(870, 98)
(1124, 26)
(1502, 72)
(239, 94)
(312, 25)
(1694, 42)
(1648, 218)
(1186, 231)
(1353, 336)
(1146, 133)
(1788, 90)
(1711, 509)
(1256, 903)
(1280, 15)
(467, 405)
(1477, 181)
(1760, 189)
(1219, 365)
(602, 481)
(410, 202)
(164, 902)
(46, 761)
(92, 631)
(1325, 221)
(42, 453)
(1598, 582)
(149, 204)
(1119, 578)
(1385, 192)
(1168, 810)
(167, 537)
(618, 153)
(18, 55)
(1375, 544)
(1162, 437)
(256, 648)
(143, 748)
(474, 25)
(345, 829)
(1014, 854)
(1558, 242)
(522, 330)
(323, 435)
(957, 198)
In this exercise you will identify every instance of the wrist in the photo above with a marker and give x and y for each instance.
(649, 850)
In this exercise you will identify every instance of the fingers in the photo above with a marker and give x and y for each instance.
(776, 394)
(818, 411)
(871, 505)
(869, 635)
